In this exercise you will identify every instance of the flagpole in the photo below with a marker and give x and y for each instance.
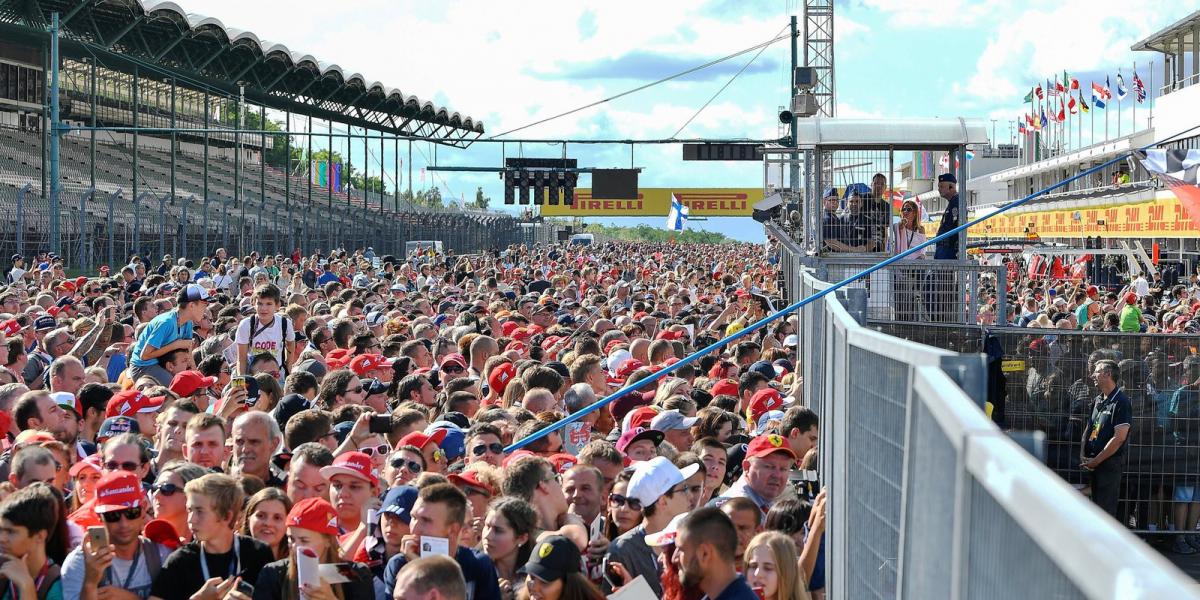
(1092, 126)
(1135, 77)
(1119, 78)
(1150, 121)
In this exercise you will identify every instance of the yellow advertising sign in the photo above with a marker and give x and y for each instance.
(656, 202)
(1162, 217)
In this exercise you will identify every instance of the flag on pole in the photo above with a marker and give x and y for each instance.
(1139, 88)
(1051, 88)
(1029, 96)
(1083, 105)
(1043, 122)
(1178, 169)
(1062, 112)
(1121, 90)
(1074, 83)
(1100, 92)
(1071, 106)
(1038, 90)
(677, 217)
(1021, 129)
(1058, 86)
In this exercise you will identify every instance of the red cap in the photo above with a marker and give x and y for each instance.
(725, 387)
(670, 335)
(161, 531)
(314, 514)
(508, 327)
(79, 281)
(420, 439)
(33, 436)
(1093, 291)
(719, 370)
(763, 400)
(500, 376)
(118, 490)
(67, 285)
(354, 464)
(516, 346)
(641, 417)
(91, 462)
(768, 444)
(361, 365)
(562, 462)
(470, 478)
(520, 334)
(10, 327)
(535, 329)
(53, 311)
(453, 359)
(514, 456)
(549, 341)
(628, 367)
(187, 383)
(131, 402)
(608, 348)
(1131, 298)
(338, 354)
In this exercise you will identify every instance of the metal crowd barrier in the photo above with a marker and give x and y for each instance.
(929, 499)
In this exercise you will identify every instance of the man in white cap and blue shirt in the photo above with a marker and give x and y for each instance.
(656, 489)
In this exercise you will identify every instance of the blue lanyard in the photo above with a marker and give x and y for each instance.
(235, 565)
(137, 560)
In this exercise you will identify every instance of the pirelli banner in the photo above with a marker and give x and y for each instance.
(656, 202)
(1162, 217)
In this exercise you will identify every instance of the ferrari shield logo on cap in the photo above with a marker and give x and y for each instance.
(775, 440)
(545, 550)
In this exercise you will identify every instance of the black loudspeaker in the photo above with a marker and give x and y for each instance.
(564, 235)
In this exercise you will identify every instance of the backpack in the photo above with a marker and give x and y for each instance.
(284, 326)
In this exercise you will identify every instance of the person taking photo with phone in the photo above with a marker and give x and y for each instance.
(115, 561)
(312, 529)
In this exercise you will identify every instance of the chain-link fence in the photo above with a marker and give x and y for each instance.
(1046, 386)
(928, 498)
(98, 226)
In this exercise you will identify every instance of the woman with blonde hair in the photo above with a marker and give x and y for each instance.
(311, 528)
(907, 233)
(772, 567)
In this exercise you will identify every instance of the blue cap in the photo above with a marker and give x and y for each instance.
(765, 368)
(374, 386)
(830, 192)
(65, 301)
(438, 320)
(341, 430)
(857, 189)
(44, 323)
(566, 320)
(43, 266)
(947, 177)
(114, 426)
(399, 501)
(455, 442)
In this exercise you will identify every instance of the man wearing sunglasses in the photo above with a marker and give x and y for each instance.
(657, 489)
(127, 566)
(484, 444)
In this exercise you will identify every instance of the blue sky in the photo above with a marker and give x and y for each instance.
(510, 64)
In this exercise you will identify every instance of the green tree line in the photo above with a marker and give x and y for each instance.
(645, 233)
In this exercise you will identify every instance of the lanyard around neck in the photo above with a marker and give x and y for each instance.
(235, 565)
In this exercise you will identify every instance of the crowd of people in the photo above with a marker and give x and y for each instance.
(336, 427)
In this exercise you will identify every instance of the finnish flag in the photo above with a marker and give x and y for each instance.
(677, 217)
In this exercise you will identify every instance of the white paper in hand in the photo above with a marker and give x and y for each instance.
(331, 574)
(434, 546)
(307, 567)
(637, 589)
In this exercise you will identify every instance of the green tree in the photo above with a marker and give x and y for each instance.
(645, 233)
(481, 201)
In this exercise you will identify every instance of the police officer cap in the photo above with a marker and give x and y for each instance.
(830, 192)
(948, 177)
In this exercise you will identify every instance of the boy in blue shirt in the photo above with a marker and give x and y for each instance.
(167, 333)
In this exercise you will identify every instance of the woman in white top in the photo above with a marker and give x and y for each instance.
(907, 233)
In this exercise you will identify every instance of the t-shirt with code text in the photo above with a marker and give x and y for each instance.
(265, 337)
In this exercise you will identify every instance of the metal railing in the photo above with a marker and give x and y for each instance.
(101, 226)
(928, 498)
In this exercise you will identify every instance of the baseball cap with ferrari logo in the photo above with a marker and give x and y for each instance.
(765, 445)
(314, 514)
(131, 402)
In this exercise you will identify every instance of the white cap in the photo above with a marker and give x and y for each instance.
(767, 417)
(616, 359)
(655, 477)
(791, 341)
(672, 419)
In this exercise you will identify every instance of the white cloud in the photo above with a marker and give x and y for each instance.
(935, 13)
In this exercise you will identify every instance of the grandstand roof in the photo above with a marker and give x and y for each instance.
(1170, 35)
(160, 33)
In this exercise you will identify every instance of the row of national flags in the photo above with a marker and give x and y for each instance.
(1070, 96)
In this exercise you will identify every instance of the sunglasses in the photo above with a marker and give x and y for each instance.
(128, 513)
(381, 449)
(619, 500)
(165, 489)
(494, 448)
(412, 465)
(353, 390)
(906, 209)
(452, 369)
(113, 465)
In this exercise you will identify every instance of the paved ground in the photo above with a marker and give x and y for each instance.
(1190, 563)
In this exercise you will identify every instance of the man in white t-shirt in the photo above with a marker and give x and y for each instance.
(17, 273)
(266, 331)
